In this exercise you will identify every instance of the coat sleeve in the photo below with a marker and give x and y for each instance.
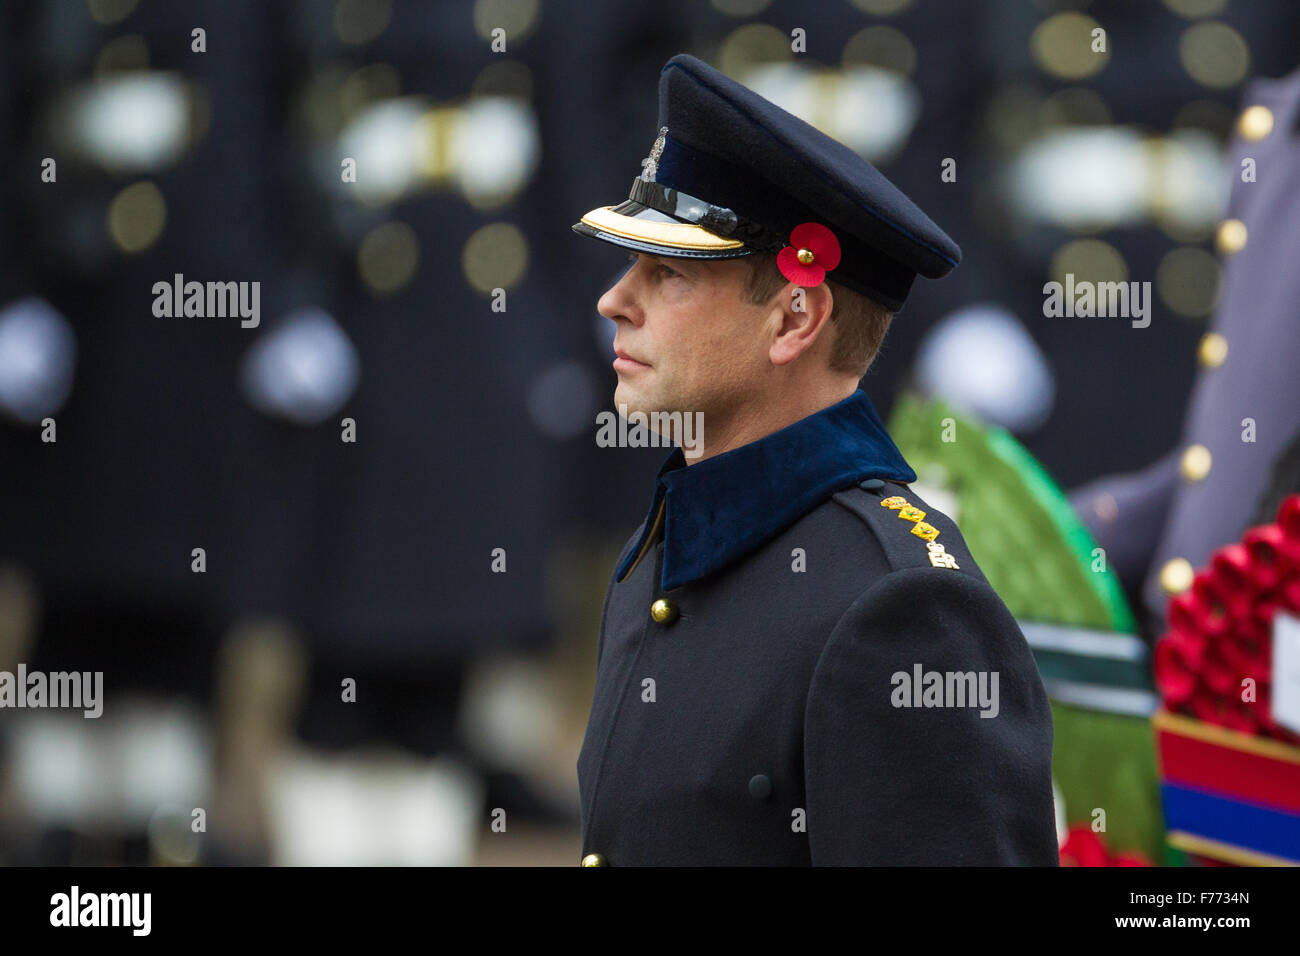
(895, 785)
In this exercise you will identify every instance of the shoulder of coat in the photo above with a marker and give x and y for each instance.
(911, 533)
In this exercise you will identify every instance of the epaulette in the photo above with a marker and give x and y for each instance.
(907, 528)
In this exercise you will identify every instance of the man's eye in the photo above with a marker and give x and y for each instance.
(666, 271)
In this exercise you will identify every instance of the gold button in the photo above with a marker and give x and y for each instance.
(1176, 576)
(1212, 350)
(663, 612)
(593, 859)
(1231, 236)
(1196, 462)
(805, 256)
(1255, 123)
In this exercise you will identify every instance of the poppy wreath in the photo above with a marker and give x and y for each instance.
(1082, 847)
(813, 251)
(1220, 630)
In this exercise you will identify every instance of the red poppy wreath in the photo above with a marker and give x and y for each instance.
(1220, 628)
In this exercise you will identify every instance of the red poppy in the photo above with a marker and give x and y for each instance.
(1083, 847)
(813, 252)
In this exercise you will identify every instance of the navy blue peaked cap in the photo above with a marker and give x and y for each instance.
(731, 173)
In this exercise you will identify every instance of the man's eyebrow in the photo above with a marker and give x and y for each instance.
(682, 265)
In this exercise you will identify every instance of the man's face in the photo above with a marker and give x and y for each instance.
(688, 338)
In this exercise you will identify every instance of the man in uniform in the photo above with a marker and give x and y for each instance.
(799, 661)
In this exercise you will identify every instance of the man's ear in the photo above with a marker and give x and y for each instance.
(804, 313)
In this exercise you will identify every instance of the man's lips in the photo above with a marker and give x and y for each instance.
(625, 361)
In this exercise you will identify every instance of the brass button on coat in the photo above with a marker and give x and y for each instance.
(1196, 462)
(1176, 576)
(1212, 350)
(593, 859)
(663, 612)
(1231, 236)
(1255, 123)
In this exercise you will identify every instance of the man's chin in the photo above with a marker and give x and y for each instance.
(628, 400)
(635, 397)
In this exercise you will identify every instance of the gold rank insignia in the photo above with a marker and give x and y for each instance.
(927, 531)
(939, 557)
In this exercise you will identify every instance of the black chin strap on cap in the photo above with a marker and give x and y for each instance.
(716, 219)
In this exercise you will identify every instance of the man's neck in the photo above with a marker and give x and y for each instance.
(752, 422)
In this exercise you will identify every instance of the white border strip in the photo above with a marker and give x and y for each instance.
(1076, 640)
(1113, 700)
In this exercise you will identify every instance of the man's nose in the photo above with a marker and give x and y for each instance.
(619, 301)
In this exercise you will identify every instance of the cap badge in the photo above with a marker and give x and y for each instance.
(813, 251)
(650, 165)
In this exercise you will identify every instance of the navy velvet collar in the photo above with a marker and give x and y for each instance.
(724, 507)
